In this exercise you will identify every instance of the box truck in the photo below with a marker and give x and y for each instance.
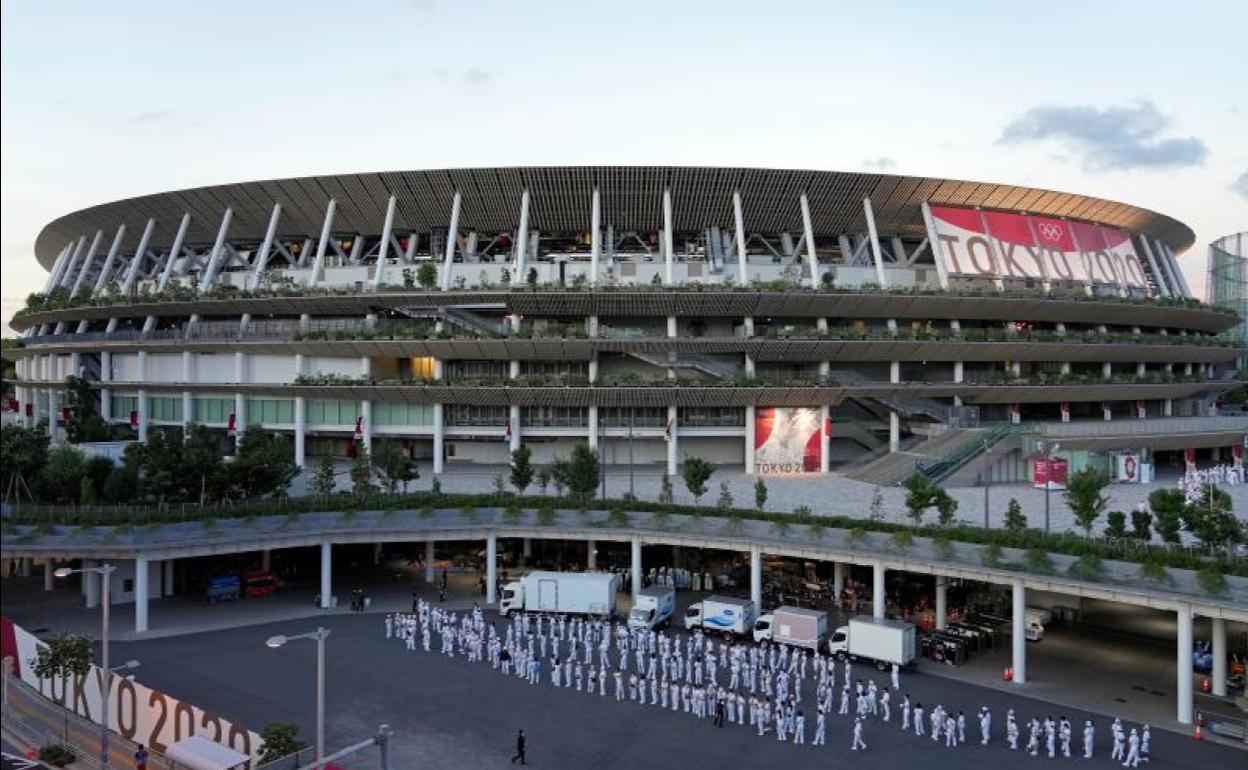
(726, 614)
(573, 593)
(875, 640)
(794, 626)
(652, 607)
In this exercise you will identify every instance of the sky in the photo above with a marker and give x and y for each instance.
(1139, 101)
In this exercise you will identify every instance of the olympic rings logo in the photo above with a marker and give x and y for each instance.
(1050, 231)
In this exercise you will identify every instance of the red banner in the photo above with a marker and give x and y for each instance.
(788, 440)
(1051, 473)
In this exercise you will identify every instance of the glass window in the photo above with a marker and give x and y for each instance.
(333, 412)
(270, 411)
(164, 408)
(123, 406)
(392, 413)
(210, 411)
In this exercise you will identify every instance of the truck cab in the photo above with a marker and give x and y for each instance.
(762, 628)
(512, 598)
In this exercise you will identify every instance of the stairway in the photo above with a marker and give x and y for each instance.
(704, 364)
(462, 316)
(891, 469)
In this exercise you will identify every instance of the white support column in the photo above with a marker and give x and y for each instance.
(166, 583)
(591, 427)
(812, 256)
(756, 578)
(942, 602)
(91, 585)
(141, 571)
(1183, 660)
(430, 557)
(1219, 656)
(142, 410)
(439, 439)
(879, 601)
(1158, 276)
(448, 257)
(876, 253)
(526, 551)
(934, 243)
(522, 240)
(749, 440)
(49, 566)
(69, 271)
(513, 420)
(743, 275)
(327, 574)
(318, 265)
(58, 267)
(671, 440)
(175, 250)
(366, 420)
(591, 555)
(894, 419)
(209, 278)
(635, 562)
(384, 249)
(102, 279)
(668, 239)
(136, 262)
(78, 278)
(595, 236)
(825, 438)
(1168, 268)
(491, 568)
(301, 431)
(838, 581)
(1018, 634)
(266, 246)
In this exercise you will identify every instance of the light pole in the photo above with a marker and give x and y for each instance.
(320, 635)
(105, 571)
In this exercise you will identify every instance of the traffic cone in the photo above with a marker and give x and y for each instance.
(1204, 685)
(1008, 674)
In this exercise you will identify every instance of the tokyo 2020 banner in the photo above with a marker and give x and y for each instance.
(787, 440)
(972, 243)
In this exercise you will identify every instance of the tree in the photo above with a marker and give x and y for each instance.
(122, 484)
(1141, 523)
(582, 472)
(760, 494)
(876, 509)
(61, 478)
(85, 423)
(1210, 519)
(23, 452)
(98, 469)
(1083, 496)
(1116, 524)
(427, 275)
(263, 466)
(531, 277)
(923, 493)
(559, 471)
(280, 739)
(1015, 520)
(521, 473)
(362, 471)
(394, 467)
(946, 507)
(665, 490)
(1167, 506)
(86, 491)
(725, 501)
(543, 480)
(696, 472)
(67, 655)
(323, 477)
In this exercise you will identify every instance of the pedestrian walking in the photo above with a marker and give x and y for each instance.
(519, 747)
(140, 758)
(858, 743)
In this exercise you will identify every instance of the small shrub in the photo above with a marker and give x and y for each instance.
(903, 539)
(1037, 560)
(943, 547)
(1154, 571)
(991, 555)
(511, 514)
(856, 535)
(1211, 580)
(57, 755)
(1088, 567)
(546, 515)
(780, 526)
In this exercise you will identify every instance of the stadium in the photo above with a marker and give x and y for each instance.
(776, 321)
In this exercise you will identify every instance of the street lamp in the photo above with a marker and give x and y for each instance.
(320, 635)
(1048, 452)
(105, 571)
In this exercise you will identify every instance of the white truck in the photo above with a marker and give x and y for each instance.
(569, 593)
(727, 614)
(652, 607)
(793, 626)
(875, 640)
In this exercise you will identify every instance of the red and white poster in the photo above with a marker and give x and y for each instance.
(1051, 474)
(993, 244)
(787, 440)
(1127, 468)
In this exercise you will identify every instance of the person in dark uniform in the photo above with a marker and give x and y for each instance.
(519, 749)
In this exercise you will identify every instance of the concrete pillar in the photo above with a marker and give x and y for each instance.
(825, 438)
(591, 555)
(26, 565)
(756, 578)
(592, 426)
(49, 564)
(301, 431)
(1183, 660)
(942, 602)
(166, 584)
(491, 568)
(327, 574)
(878, 599)
(439, 439)
(894, 432)
(513, 420)
(91, 585)
(749, 440)
(140, 594)
(1018, 635)
(671, 441)
(429, 562)
(266, 560)
(366, 422)
(526, 551)
(635, 561)
(1219, 656)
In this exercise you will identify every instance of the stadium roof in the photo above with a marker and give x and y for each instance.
(560, 202)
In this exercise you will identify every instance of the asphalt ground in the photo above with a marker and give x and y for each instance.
(452, 713)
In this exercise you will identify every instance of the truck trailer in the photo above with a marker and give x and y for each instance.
(793, 626)
(568, 593)
(875, 640)
(727, 614)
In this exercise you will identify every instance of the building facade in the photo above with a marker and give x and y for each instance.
(782, 321)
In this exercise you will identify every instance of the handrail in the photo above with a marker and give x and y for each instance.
(945, 466)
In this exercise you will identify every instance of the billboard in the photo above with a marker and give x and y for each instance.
(1051, 474)
(787, 440)
(994, 244)
(135, 712)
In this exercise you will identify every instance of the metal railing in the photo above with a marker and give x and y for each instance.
(943, 467)
(1141, 427)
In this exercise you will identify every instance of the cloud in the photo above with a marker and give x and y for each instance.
(1120, 137)
(1240, 185)
(152, 116)
(881, 163)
